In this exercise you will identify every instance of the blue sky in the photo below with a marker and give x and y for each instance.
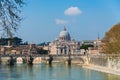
(84, 19)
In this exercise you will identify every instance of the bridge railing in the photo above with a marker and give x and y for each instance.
(39, 55)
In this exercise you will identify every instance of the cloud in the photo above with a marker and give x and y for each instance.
(72, 11)
(61, 22)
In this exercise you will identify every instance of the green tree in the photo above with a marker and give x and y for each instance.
(16, 41)
(13, 41)
(86, 46)
(10, 16)
(42, 51)
(111, 41)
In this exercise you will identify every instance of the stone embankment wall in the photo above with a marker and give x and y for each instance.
(104, 61)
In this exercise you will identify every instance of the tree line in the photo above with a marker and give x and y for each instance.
(13, 41)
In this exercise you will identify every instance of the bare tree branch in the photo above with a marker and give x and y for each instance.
(10, 16)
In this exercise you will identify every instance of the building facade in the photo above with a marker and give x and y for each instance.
(64, 44)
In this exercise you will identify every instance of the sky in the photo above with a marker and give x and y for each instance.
(43, 20)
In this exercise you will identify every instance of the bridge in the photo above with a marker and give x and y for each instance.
(72, 58)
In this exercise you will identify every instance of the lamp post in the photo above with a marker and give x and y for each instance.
(57, 49)
(69, 56)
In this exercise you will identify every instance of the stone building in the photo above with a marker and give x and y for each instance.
(64, 44)
(97, 47)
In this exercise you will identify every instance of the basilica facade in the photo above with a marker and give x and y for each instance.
(63, 44)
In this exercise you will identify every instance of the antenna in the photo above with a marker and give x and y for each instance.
(98, 36)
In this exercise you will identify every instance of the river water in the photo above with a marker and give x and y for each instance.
(56, 71)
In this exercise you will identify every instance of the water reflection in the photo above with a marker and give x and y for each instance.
(56, 71)
(112, 77)
(7, 72)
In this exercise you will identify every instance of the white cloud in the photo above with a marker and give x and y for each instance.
(72, 11)
(61, 22)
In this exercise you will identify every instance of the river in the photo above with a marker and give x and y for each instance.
(56, 71)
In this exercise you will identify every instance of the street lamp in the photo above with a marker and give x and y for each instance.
(69, 56)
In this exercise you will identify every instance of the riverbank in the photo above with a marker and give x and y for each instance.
(102, 69)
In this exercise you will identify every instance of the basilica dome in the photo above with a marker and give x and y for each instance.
(64, 35)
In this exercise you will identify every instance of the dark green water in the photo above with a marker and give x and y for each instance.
(57, 71)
